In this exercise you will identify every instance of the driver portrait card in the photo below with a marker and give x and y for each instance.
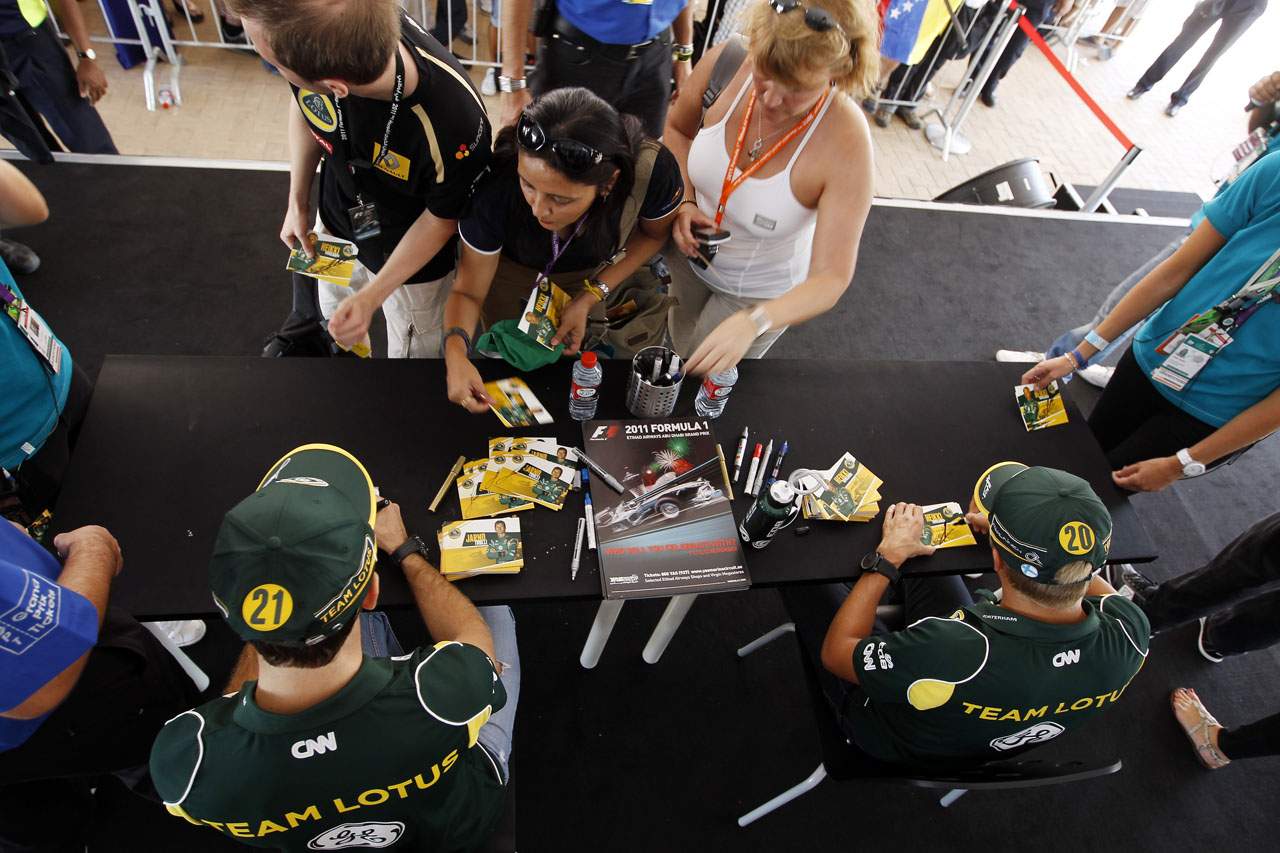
(480, 546)
(476, 502)
(1040, 409)
(334, 261)
(542, 481)
(945, 527)
(514, 404)
(543, 312)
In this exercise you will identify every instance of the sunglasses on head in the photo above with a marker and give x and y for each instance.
(815, 17)
(572, 156)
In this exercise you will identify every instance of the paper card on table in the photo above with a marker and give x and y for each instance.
(945, 527)
(503, 443)
(480, 546)
(514, 404)
(334, 260)
(850, 492)
(540, 480)
(1040, 409)
(543, 311)
(476, 502)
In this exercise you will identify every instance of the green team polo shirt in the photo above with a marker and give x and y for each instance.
(389, 761)
(987, 682)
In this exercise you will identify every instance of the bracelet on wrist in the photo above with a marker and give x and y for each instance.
(683, 52)
(761, 319)
(1081, 361)
(512, 84)
(689, 201)
(1075, 362)
(460, 332)
(596, 288)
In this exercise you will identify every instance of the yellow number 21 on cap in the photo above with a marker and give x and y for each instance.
(267, 607)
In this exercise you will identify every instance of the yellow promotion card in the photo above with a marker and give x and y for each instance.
(334, 259)
(539, 480)
(478, 503)
(1042, 408)
(543, 311)
(480, 546)
(945, 527)
(514, 404)
(850, 492)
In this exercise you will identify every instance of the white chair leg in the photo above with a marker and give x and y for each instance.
(196, 674)
(677, 607)
(785, 797)
(951, 796)
(601, 628)
(766, 639)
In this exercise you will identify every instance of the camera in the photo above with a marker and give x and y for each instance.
(708, 244)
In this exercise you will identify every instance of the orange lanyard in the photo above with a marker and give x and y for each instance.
(730, 182)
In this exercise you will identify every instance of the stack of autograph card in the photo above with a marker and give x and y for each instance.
(1042, 408)
(485, 546)
(945, 527)
(518, 473)
(514, 404)
(543, 312)
(849, 492)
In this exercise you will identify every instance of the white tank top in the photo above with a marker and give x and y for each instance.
(772, 233)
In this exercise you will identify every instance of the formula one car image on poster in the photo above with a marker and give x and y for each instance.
(662, 501)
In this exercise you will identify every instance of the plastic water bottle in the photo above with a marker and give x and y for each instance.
(585, 388)
(714, 393)
(164, 97)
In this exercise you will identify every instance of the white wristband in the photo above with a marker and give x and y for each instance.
(760, 317)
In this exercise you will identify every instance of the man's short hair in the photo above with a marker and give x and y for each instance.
(305, 657)
(348, 40)
(1068, 587)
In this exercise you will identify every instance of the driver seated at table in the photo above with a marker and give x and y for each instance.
(970, 682)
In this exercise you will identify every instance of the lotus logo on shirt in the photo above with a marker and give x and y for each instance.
(318, 109)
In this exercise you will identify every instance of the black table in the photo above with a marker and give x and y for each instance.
(171, 443)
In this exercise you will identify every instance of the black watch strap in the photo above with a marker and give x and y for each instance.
(412, 545)
(880, 565)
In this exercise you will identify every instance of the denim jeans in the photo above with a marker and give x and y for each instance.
(1069, 341)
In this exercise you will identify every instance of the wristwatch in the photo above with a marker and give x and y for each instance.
(412, 545)
(88, 54)
(1190, 467)
(877, 563)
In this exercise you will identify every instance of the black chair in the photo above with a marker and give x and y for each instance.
(842, 762)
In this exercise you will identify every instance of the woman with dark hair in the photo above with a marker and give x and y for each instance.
(598, 201)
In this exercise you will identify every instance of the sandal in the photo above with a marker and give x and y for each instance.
(1209, 756)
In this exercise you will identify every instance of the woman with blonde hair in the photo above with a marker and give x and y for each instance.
(781, 160)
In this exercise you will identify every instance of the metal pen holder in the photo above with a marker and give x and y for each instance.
(644, 398)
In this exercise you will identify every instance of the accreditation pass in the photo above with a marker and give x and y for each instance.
(42, 340)
(1190, 356)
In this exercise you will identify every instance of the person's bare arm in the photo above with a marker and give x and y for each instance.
(1265, 93)
(304, 157)
(854, 621)
(1158, 287)
(20, 202)
(462, 309)
(681, 33)
(89, 75)
(92, 560)
(448, 614)
(682, 126)
(515, 32)
(1254, 423)
(425, 237)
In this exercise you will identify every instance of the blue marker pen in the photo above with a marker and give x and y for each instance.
(590, 510)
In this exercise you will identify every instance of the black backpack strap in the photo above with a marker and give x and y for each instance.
(727, 65)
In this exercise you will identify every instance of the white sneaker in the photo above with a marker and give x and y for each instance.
(184, 633)
(489, 85)
(1097, 375)
(1019, 355)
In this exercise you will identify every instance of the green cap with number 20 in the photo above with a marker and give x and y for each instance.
(1042, 519)
(293, 561)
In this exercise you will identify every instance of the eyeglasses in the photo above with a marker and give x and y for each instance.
(815, 17)
(573, 156)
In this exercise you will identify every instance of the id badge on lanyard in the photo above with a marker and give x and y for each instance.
(364, 215)
(33, 328)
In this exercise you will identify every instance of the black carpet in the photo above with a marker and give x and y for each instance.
(633, 757)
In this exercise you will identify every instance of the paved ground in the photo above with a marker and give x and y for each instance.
(233, 108)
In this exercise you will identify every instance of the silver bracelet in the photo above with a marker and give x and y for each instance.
(760, 317)
(511, 84)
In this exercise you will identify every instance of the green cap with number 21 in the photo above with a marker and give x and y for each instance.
(1042, 519)
(293, 561)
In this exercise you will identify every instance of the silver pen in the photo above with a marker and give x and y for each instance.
(577, 550)
(600, 472)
